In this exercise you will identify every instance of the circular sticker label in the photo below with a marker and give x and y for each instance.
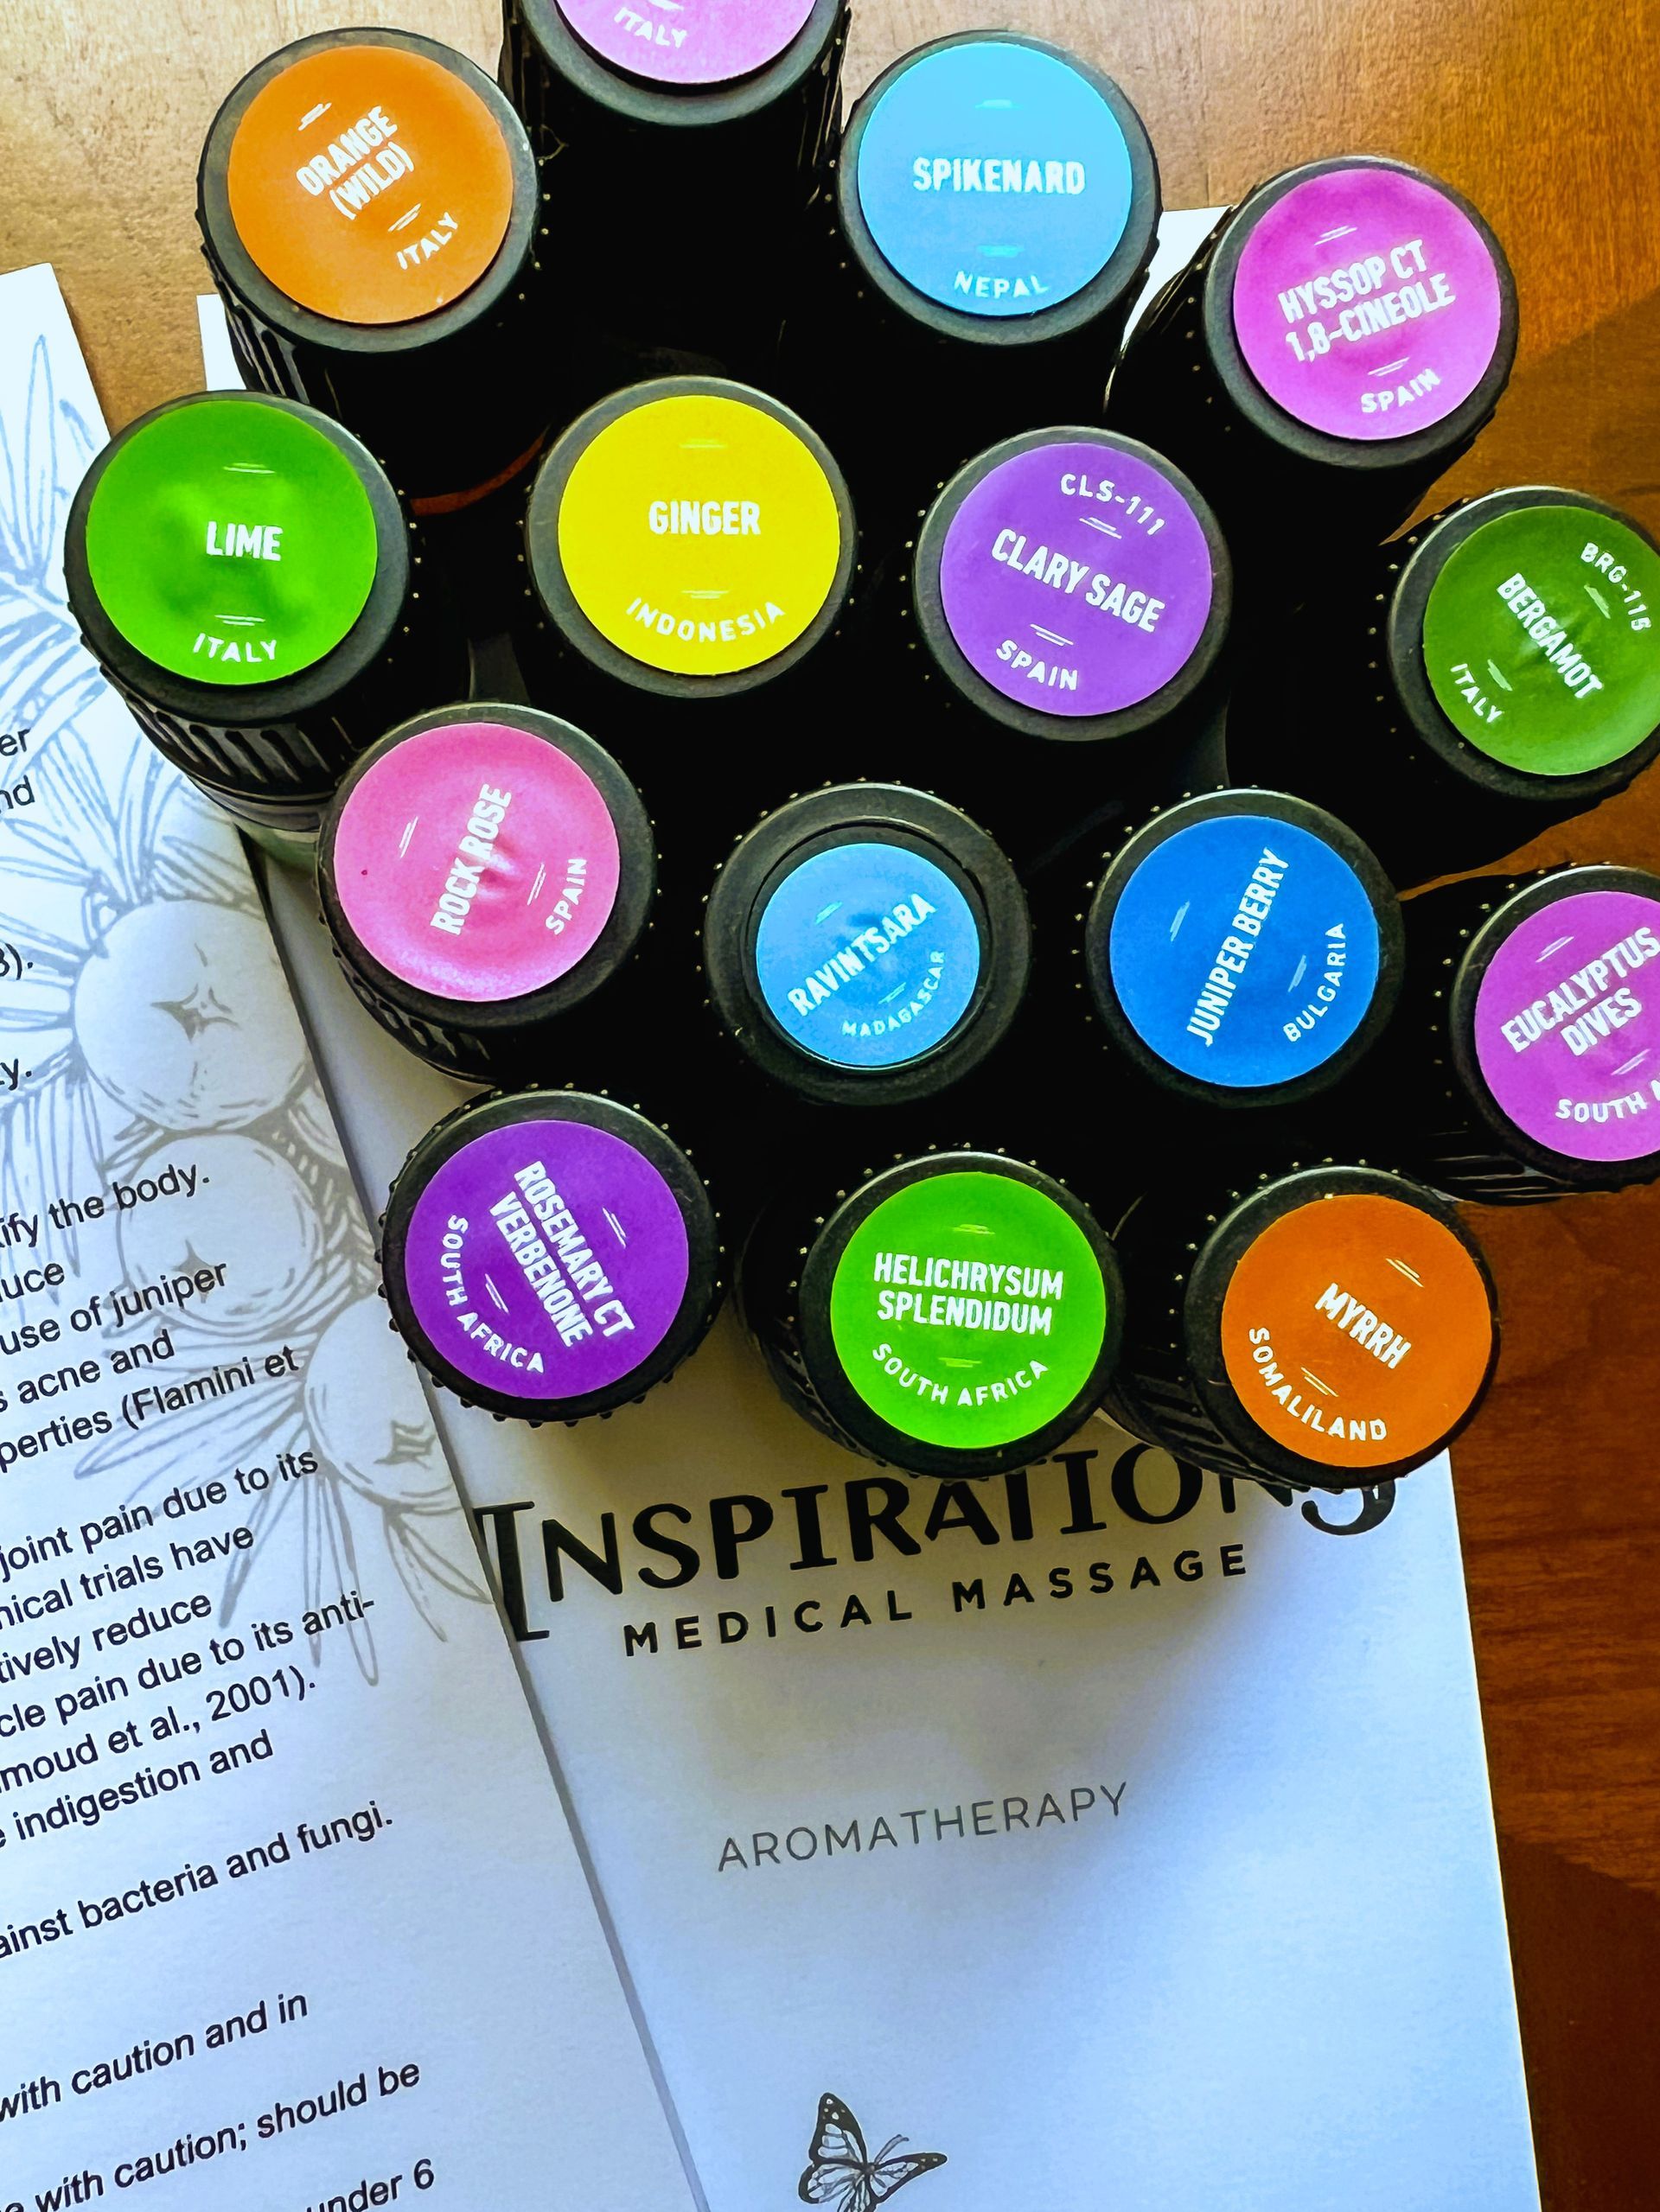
(370, 184)
(477, 861)
(1567, 1026)
(546, 1260)
(994, 178)
(1356, 1330)
(968, 1310)
(867, 955)
(232, 542)
(1367, 304)
(699, 535)
(1244, 950)
(1076, 580)
(687, 41)
(1539, 640)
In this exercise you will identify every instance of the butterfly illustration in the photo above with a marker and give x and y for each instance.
(841, 2172)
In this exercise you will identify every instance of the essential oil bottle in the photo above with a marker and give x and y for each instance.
(242, 572)
(550, 1255)
(866, 945)
(369, 209)
(1330, 1327)
(996, 207)
(1069, 602)
(1241, 949)
(705, 131)
(690, 547)
(1528, 1059)
(1494, 672)
(486, 870)
(957, 1313)
(1331, 349)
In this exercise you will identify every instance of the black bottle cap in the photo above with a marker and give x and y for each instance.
(483, 870)
(1072, 585)
(241, 571)
(998, 190)
(1544, 1008)
(1333, 1327)
(714, 72)
(866, 945)
(957, 1314)
(1494, 671)
(691, 538)
(1410, 256)
(549, 1255)
(1243, 948)
(368, 207)
(1332, 346)
(1521, 643)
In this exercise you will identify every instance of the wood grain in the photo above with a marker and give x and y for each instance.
(1542, 113)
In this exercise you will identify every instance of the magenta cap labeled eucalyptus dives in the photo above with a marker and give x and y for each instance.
(241, 569)
(1531, 1062)
(1071, 585)
(1351, 324)
(483, 870)
(550, 1255)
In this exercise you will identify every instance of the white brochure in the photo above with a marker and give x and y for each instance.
(1105, 1839)
(291, 1912)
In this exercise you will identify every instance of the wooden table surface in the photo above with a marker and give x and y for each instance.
(1543, 113)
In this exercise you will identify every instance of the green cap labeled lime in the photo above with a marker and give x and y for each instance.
(1539, 638)
(231, 541)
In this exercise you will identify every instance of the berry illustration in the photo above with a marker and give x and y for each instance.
(166, 1009)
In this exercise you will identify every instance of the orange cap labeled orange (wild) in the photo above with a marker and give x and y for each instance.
(1356, 1331)
(370, 184)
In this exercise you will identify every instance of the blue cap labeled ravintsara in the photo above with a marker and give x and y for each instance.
(867, 944)
(1241, 948)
